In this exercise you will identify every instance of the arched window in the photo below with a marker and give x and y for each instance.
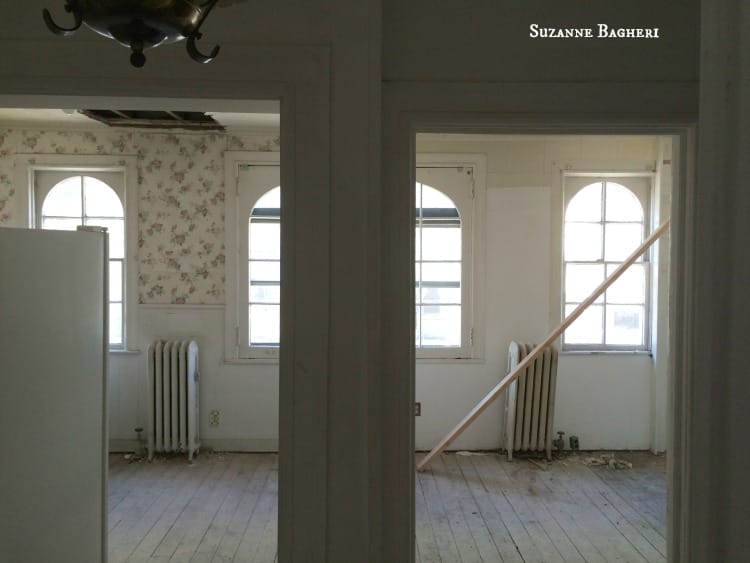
(605, 221)
(253, 243)
(446, 242)
(86, 200)
(437, 270)
(264, 256)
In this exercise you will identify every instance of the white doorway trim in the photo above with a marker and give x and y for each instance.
(298, 78)
(461, 110)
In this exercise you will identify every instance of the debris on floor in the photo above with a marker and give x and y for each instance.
(608, 460)
(542, 464)
(467, 453)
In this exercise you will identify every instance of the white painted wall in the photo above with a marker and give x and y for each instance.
(608, 401)
(245, 394)
(179, 264)
(442, 57)
(522, 218)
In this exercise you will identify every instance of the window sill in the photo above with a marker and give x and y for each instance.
(605, 353)
(123, 352)
(251, 361)
(451, 361)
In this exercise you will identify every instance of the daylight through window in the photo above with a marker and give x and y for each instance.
(83, 200)
(604, 223)
(437, 270)
(264, 243)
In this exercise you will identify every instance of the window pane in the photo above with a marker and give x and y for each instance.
(621, 240)
(441, 271)
(583, 242)
(625, 325)
(115, 323)
(581, 280)
(265, 293)
(100, 199)
(622, 204)
(115, 280)
(630, 287)
(417, 244)
(116, 231)
(270, 200)
(586, 205)
(434, 198)
(64, 200)
(441, 326)
(264, 325)
(265, 240)
(61, 224)
(441, 243)
(586, 329)
(448, 295)
(264, 271)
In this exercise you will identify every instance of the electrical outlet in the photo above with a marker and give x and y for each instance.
(417, 409)
(214, 418)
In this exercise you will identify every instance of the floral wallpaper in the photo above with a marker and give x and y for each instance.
(181, 252)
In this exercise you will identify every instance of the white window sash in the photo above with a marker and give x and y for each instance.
(641, 185)
(121, 174)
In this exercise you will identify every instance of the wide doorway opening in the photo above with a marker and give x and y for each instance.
(512, 234)
(190, 195)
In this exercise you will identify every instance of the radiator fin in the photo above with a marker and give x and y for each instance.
(530, 401)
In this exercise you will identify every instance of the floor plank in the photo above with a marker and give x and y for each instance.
(469, 509)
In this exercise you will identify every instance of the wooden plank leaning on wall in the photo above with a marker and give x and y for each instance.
(521, 367)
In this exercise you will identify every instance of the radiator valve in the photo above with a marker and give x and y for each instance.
(560, 442)
(574, 443)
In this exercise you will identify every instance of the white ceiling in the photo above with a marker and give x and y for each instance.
(71, 119)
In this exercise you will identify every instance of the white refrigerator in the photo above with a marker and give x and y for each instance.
(53, 370)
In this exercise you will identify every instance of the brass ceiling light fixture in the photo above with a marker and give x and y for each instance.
(141, 24)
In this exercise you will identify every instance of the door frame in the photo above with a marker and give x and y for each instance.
(298, 78)
(514, 109)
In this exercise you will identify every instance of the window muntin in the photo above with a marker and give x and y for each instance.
(85, 200)
(264, 265)
(604, 222)
(437, 270)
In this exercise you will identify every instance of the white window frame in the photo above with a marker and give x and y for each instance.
(471, 205)
(236, 328)
(28, 165)
(582, 179)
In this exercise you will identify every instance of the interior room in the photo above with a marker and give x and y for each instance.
(187, 186)
(515, 201)
(356, 84)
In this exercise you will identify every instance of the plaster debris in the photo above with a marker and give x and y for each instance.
(467, 454)
(540, 464)
(609, 460)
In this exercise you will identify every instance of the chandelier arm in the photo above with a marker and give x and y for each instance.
(64, 31)
(195, 54)
(205, 10)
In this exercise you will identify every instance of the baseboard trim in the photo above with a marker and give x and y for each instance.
(259, 445)
(249, 445)
(123, 445)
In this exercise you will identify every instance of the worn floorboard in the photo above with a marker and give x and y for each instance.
(469, 509)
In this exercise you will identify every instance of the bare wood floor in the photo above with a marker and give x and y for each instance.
(468, 509)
